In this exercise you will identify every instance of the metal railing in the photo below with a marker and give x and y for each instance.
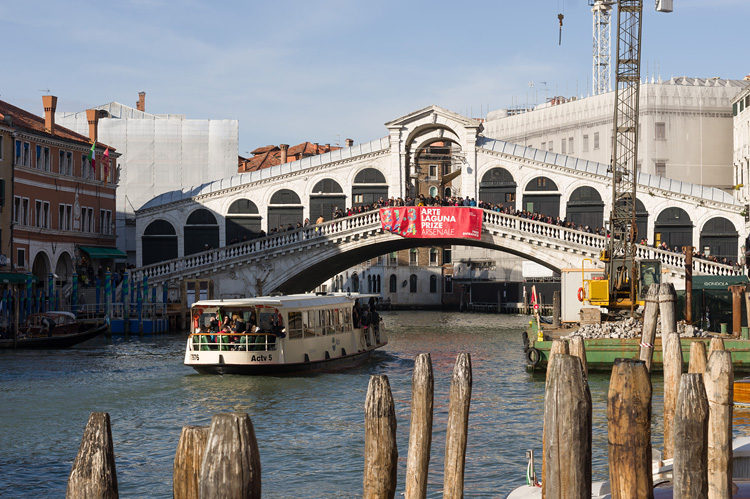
(237, 342)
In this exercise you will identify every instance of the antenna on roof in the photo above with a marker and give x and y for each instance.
(45, 90)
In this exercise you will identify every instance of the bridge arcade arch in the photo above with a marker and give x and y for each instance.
(284, 209)
(242, 221)
(719, 238)
(201, 232)
(41, 266)
(542, 196)
(368, 187)
(326, 196)
(585, 208)
(498, 187)
(673, 227)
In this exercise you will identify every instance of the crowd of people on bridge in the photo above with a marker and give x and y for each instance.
(433, 201)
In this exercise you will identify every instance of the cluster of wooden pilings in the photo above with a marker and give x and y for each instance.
(697, 416)
(222, 461)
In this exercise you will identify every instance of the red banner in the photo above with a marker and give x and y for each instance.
(427, 221)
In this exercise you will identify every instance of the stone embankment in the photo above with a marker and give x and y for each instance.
(630, 328)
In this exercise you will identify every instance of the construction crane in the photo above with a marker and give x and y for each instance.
(620, 287)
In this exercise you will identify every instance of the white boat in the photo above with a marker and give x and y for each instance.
(283, 334)
(661, 472)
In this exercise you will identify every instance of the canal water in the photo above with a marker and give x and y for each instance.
(310, 429)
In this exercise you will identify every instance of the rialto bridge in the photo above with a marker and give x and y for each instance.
(210, 230)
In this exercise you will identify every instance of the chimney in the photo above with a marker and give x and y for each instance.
(50, 105)
(141, 104)
(284, 148)
(92, 115)
(349, 142)
(327, 148)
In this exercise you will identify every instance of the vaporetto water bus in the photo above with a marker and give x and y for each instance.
(283, 334)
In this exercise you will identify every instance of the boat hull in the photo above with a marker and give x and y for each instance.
(601, 353)
(327, 365)
(56, 341)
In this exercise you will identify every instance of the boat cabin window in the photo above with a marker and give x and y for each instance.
(294, 329)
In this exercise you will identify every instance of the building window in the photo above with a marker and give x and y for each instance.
(551, 146)
(1, 148)
(562, 146)
(433, 257)
(105, 222)
(510, 197)
(38, 157)
(447, 255)
(66, 163)
(358, 198)
(413, 283)
(448, 285)
(433, 170)
(86, 170)
(433, 191)
(413, 256)
(393, 258)
(446, 166)
(661, 169)
(392, 284)
(596, 141)
(20, 211)
(544, 146)
(541, 182)
(66, 217)
(46, 160)
(377, 283)
(21, 258)
(570, 145)
(87, 219)
(660, 131)
(2, 190)
(433, 283)
(23, 154)
(585, 143)
(41, 213)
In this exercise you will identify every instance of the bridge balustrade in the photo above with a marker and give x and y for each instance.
(369, 221)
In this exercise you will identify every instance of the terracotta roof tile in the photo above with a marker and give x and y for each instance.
(27, 121)
(267, 156)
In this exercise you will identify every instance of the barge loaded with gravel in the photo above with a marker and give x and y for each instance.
(608, 341)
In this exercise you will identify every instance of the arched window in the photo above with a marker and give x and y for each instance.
(377, 281)
(159, 242)
(433, 191)
(498, 187)
(413, 283)
(368, 187)
(413, 257)
(433, 257)
(392, 284)
(201, 232)
(433, 283)
(369, 284)
(355, 283)
(284, 210)
(325, 198)
(242, 221)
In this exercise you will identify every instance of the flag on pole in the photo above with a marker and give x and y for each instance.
(91, 157)
(105, 164)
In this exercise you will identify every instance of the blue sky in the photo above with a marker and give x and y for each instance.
(324, 71)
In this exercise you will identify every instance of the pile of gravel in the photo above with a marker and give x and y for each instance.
(630, 328)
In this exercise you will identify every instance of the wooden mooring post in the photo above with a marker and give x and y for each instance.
(186, 470)
(738, 290)
(458, 428)
(629, 428)
(716, 344)
(567, 423)
(231, 463)
(697, 362)
(667, 299)
(578, 349)
(690, 471)
(381, 453)
(93, 475)
(420, 432)
(650, 316)
(719, 380)
(673, 369)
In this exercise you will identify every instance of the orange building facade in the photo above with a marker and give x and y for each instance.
(61, 207)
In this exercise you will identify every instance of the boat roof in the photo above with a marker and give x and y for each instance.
(307, 300)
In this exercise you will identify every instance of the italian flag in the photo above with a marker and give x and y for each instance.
(91, 157)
